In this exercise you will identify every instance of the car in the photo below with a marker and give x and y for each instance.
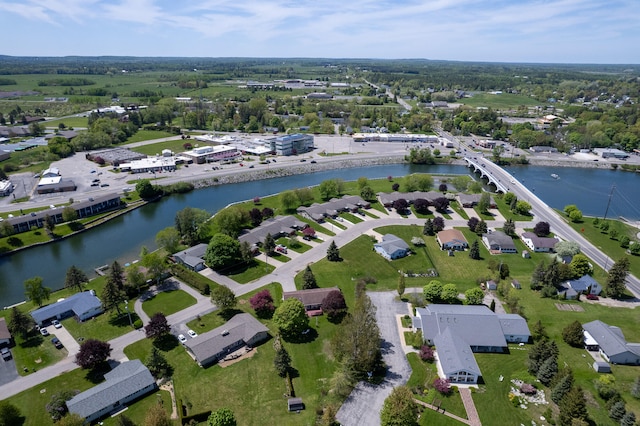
(303, 160)
(313, 161)
(251, 166)
(182, 339)
(192, 333)
(44, 331)
(6, 353)
(95, 184)
(104, 184)
(274, 160)
(92, 171)
(56, 324)
(96, 181)
(592, 297)
(57, 343)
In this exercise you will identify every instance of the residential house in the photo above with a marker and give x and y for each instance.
(240, 331)
(5, 335)
(279, 226)
(348, 203)
(83, 305)
(456, 358)
(610, 342)
(471, 200)
(67, 134)
(192, 257)
(584, 285)
(391, 247)
(498, 242)
(311, 299)
(539, 244)
(128, 381)
(452, 239)
(388, 198)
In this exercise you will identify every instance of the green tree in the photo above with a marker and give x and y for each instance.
(418, 182)
(635, 389)
(569, 208)
(146, 190)
(223, 297)
(9, 414)
(169, 239)
(428, 228)
(223, 251)
(231, 220)
(399, 409)
(362, 182)
(523, 208)
(35, 291)
(460, 183)
(615, 285)
(111, 297)
(367, 193)
(328, 189)
(333, 253)
(269, 244)
(449, 293)
(308, 279)
(562, 387)
(629, 419)
(158, 364)
(157, 416)
(481, 227)
(548, 369)
(474, 251)
(69, 214)
(624, 241)
(575, 216)
(573, 334)
(580, 266)
(188, 223)
(432, 291)
(116, 275)
(291, 318)
(282, 362)
(222, 417)
(566, 248)
(155, 264)
(509, 227)
(538, 331)
(474, 296)
(573, 406)
(20, 323)
(475, 187)
(484, 203)
(401, 284)
(617, 411)
(289, 200)
(75, 278)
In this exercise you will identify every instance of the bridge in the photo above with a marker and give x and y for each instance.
(480, 166)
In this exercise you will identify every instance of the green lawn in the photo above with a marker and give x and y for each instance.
(103, 327)
(502, 101)
(168, 302)
(36, 352)
(156, 148)
(69, 122)
(297, 246)
(246, 273)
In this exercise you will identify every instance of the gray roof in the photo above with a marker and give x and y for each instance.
(313, 296)
(333, 206)
(275, 226)
(582, 283)
(514, 325)
(609, 338)
(546, 242)
(79, 303)
(455, 354)
(388, 198)
(391, 243)
(473, 199)
(124, 380)
(241, 327)
(499, 238)
(193, 255)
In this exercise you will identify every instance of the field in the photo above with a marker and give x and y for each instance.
(502, 101)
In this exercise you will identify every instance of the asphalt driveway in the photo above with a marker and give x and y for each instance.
(363, 406)
(8, 372)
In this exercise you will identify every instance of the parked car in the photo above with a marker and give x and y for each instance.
(182, 339)
(57, 343)
(592, 297)
(56, 324)
(44, 331)
(104, 184)
(192, 333)
(302, 160)
(313, 161)
(6, 353)
(281, 249)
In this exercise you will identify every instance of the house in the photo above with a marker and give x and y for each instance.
(539, 244)
(498, 242)
(5, 335)
(240, 331)
(387, 199)
(458, 331)
(585, 284)
(311, 299)
(83, 305)
(451, 239)
(391, 247)
(601, 367)
(471, 200)
(279, 226)
(348, 203)
(67, 134)
(128, 381)
(192, 257)
(610, 342)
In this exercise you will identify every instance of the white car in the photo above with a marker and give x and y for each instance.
(182, 339)
(44, 331)
(192, 333)
(56, 324)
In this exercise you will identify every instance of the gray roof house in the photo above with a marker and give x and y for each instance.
(611, 344)
(241, 330)
(388, 198)
(125, 383)
(539, 244)
(498, 242)
(83, 305)
(332, 207)
(311, 299)
(456, 358)
(278, 226)
(192, 257)
(391, 247)
(585, 284)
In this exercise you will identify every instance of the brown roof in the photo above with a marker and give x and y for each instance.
(313, 296)
(4, 331)
(449, 235)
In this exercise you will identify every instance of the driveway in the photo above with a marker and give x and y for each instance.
(363, 406)
(8, 372)
(66, 339)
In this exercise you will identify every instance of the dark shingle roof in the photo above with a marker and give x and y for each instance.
(193, 255)
(313, 296)
(79, 303)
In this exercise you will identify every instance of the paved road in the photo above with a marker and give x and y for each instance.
(363, 406)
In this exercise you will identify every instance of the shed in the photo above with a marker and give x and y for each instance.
(601, 367)
(492, 285)
(295, 404)
(525, 254)
(516, 284)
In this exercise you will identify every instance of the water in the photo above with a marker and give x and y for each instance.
(122, 238)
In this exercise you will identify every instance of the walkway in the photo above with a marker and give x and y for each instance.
(434, 408)
(469, 406)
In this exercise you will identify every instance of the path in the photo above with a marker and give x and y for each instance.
(434, 408)
(469, 406)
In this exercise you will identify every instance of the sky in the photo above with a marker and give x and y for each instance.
(543, 31)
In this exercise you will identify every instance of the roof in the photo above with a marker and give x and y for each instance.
(455, 354)
(543, 242)
(274, 226)
(451, 236)
(79, 303)
(609, 338)
(4, 330)
(583, 283)
(313, 296)
(241, 327)
(121, 382)
(388, 198)
(499, 238)
(513, 325)
(391, 243)
(193, 255)
(332, 207)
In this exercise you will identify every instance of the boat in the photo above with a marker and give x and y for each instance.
(555, 176)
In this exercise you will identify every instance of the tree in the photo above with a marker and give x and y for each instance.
(282, 362)
(231, 220)
(635, 390)
(367, 193)
(222, 417)
(629, 419)
(418, 182)
(566, 248)
(267, 212)
(362, 182)
(475, 187)
(72, 419)
(426, 353)
(573, 406)
(449, 293)
(289, 200)
(308, 279)
(484, 203)
(262, 303)
(75, 278)
(442, 187)
(541, 229)
(548, 369)
(509, 227)
(9, 414)
(146, 190)
(442, 385)
(575, 216)
(617, 411)
(537, 277)
(615, 285)
(223, 297)
(580, 266)
(438, 224)
(169, 239)
(157, 326)
(421, 205)
(135, 278)
(223, 251)
(49, 223)
(20, 323)
(481, 227)
(428, 227)
(92, 353)
(562, 387)
(432, 291)
(474, 251)
(256, 216)
(460, 183)
(401, 284)
(35, 291)
(401, 205)
(291, 318)
(472, 223)
(116, 275)
(69, 214)
(441, 204)
(57, 406)
(399, 408)
(269, 244)
(157, 416)
(328, 189)
(541, 350)
(158, 364)
(334, 304)
(573, 335)
(474, 296)
(552, 274)
(333, 253)
(624, 241)
(523, 208)
(111, 297)
(569, 208)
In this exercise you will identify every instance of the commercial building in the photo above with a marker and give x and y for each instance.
(150, 164)
(292, 144)
(206, 154)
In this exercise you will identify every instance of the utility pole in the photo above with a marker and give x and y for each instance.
(606, 260)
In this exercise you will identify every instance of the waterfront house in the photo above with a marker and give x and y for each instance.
(83, 305)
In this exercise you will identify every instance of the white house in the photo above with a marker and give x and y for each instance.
(539, 244)
(391, 247)
(610, 342)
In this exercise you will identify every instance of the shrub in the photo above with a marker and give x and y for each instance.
(442, 385)
(528, 389)
(426, 353)
(137, 324)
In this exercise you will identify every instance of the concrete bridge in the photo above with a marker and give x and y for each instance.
(480, 166)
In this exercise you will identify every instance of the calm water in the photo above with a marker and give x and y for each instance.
(122, 238)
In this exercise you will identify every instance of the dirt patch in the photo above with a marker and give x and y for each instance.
(245, 355)
(569, 307)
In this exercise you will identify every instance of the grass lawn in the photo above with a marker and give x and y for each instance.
(351, 217)
(156, 148)
(103, 327)
(297, 246)
(506, 211)
(456, 208)
(146, 135)
(504, 100)
(168, 302)
(36, 352)
(247, 273)
(69, 122)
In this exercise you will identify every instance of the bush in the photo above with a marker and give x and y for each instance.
(137, 324)
(442, 385)
(528, 389)
(426, 353)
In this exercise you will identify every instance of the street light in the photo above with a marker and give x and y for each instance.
(126, 307)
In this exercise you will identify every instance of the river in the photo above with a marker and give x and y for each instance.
(122, 238)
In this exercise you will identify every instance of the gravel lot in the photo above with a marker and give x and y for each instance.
(363, 406)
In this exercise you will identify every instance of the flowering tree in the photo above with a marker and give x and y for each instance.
(262, 303)
(442, 385)
(426, 353)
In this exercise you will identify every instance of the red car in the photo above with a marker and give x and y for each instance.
(592, 297)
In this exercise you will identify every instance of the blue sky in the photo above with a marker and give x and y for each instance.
(573, 31)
